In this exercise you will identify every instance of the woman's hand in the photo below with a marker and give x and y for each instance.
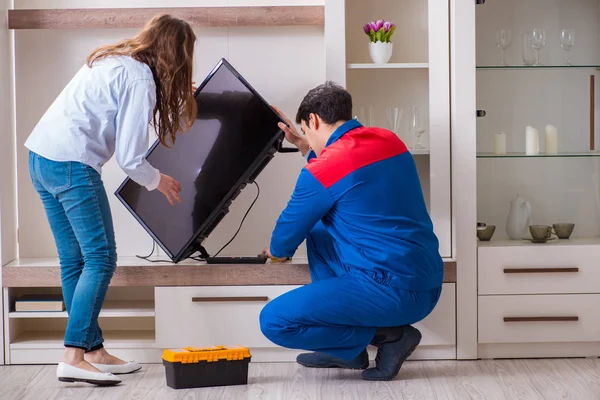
(170, 188)
(291, 134)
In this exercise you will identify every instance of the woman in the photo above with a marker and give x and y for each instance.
(106, 109)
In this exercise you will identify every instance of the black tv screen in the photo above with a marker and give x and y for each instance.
(234, 136)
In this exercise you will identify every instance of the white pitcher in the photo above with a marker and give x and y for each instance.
(519, 218)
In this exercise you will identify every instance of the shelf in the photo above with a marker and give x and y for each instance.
(555, 242)
(132, 271)
(111, 309)
(542, 67)
(389, 66)
(584, 154)
(198, 17)
(31, 340)
(419, 152)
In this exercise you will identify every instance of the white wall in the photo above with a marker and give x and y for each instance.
(281, 63)
(560, 190)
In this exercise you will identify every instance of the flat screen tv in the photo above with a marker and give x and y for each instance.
(233, 138)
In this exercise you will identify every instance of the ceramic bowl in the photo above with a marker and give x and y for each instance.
(485, 235)
(563, 230)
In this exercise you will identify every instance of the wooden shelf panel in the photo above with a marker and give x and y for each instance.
(199, 17)
(132, 271)
(110, 309)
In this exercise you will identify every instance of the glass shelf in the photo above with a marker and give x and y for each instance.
(541, 67)
(583, 154)
(389, 66)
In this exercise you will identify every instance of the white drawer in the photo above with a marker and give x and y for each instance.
(539, 318)
(181, 321)
(212, 315)
(539, 269)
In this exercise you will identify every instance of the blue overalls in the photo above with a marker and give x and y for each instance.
(373, 256)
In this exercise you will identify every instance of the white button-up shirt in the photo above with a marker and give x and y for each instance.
(104, 110)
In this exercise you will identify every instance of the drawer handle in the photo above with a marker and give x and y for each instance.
(229, 299)
(541, 319)
(539, 270)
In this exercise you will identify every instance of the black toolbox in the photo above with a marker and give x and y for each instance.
(202, 367)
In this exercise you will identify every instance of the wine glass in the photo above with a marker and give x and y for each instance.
(416, 127)
(503, 40)
(366, 116)
(394, 115)
(567, 41)
(527, 49)
(538, 40)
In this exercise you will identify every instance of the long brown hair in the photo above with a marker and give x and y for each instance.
(166, 45)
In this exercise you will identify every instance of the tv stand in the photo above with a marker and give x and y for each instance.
(197, 248)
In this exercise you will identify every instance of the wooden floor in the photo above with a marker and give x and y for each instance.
(577, 379)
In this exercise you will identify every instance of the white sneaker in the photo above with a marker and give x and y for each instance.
(69, 373)
(121, 369)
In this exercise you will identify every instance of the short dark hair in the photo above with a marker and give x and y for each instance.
(329, 101)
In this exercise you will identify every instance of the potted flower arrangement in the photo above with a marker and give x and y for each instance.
(380, 34)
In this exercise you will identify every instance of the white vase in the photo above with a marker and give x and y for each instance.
(380, 52)
(519, 218)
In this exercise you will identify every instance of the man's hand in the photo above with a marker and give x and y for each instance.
(170, 188)
(291, 134)
(267, 252)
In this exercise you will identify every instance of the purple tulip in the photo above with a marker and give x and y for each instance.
(378, 25)
(367, 28)
(387, 26)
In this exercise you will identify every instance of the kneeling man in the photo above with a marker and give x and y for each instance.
(373, 256)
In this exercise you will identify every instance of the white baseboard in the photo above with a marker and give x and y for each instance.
(53, 356)
(539, 350)
(259, 355)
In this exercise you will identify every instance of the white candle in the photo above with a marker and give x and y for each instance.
(532, 141)
(551, 140)
(500, 143)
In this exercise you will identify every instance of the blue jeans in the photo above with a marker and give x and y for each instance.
(339, 312)
(79, 215)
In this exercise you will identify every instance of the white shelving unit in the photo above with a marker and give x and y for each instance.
(127, 319)
(537, 300)
(417, 75)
